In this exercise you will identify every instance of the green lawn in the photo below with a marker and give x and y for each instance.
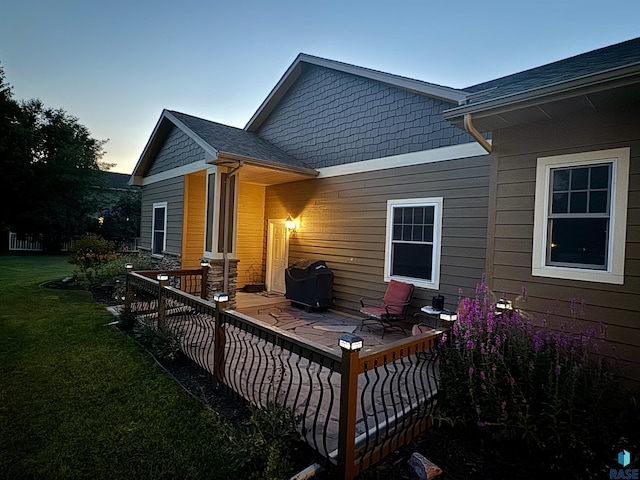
(79, 399)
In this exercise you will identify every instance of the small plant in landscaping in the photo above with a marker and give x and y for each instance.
(263, 449)
(161, 342)
(540, 389)
(127, 320)
(91, 251)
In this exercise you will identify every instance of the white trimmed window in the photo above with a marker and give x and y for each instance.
(413, 244)
(580, 218)
(159, 229)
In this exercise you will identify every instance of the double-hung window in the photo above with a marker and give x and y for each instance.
(413, 240)
(580, 216)
(159, 228)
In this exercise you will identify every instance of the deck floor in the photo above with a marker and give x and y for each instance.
(324, 327)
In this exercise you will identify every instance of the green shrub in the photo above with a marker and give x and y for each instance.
(263, 448)
(533, 389)
(91, 251)
(161, 342)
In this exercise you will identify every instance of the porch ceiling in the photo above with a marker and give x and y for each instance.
(265, 173)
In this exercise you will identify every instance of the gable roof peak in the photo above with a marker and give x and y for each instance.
(294, 71)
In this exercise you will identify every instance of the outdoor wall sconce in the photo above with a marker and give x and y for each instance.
(448, 316)
(503, 305)
(220, 297)
(290, 224)
(351, 342)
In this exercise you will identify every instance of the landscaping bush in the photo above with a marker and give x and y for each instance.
(532, 389)
(264, 448)
(91, 251)
(98, 262)
(161, 342)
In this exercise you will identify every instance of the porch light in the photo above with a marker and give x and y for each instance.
(290, 224)
(503, 305)
(220, 297)
(448, 316)
(351, 342)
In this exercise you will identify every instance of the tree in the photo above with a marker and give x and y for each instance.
(121, 217)
(48, 163)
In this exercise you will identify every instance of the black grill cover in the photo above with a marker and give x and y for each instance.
(309, 284)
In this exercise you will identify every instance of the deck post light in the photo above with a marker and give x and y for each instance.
(128, 267)
(448, 316)
(220, 297)
(351, 342)
(504, 305)
(163, 278)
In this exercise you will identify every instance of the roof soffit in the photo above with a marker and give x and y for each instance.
(559, 97)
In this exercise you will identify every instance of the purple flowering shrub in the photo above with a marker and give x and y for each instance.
(543, 389)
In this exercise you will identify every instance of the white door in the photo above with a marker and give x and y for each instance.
(277, 255)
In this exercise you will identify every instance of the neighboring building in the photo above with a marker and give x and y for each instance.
(565, 191)
(381, 185)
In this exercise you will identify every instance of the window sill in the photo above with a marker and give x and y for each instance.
(584, 275)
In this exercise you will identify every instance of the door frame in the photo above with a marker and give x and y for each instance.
(270, 231)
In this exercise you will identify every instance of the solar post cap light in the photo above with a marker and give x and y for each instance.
(351, 342)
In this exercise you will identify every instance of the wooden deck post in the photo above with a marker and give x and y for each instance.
(162, 281)
(350, 345)
(220, 300)
(128, 289)
(203, 281)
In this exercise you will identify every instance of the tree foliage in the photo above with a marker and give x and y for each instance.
(48, 164)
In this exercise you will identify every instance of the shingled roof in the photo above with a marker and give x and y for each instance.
(581, 69)
(235, 141)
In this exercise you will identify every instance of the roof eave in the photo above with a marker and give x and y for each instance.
(224, 157)
(579, 86)
(157, 136)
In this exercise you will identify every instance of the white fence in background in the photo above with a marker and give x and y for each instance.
(33, 243)
(25, 243)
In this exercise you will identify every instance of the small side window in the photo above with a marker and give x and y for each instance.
(159, 229)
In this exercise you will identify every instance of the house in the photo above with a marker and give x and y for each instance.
(388, 177)
(351, 155)
(564, 211)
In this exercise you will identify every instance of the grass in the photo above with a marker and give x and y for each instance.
(78, 399)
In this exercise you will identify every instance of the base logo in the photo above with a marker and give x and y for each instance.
(624, 459)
